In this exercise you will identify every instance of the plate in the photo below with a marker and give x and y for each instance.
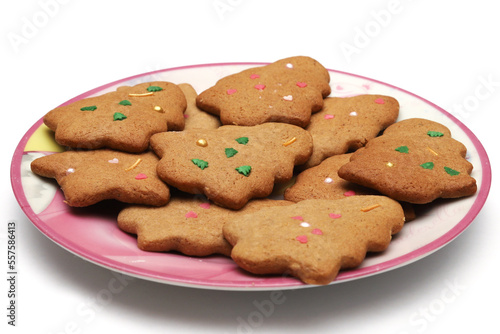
(92, 233)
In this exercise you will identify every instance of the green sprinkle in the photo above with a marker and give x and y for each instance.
(125, 103)
(403, 149)
(200, 163)
(154, 89)
(89, 108)
(118, 116)
(244, 170)
(435, 134)
(230, 152)
(451, 171)
(242, 140)
(427, 165)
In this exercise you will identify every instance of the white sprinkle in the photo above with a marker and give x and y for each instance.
(328, 180)
(305, 224)
(289, 65)
(353, 113)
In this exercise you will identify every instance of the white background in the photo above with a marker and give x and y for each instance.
(444, 51)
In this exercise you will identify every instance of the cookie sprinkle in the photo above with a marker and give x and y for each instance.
(202, 164)
(402, 149)
(158, 109)
(202, 142)
(118, 116)
(89, 108)
(389, 164)
(154, 89)
(328, 180)
(135, 164)
(290, 141)
(369, 208)
(432, 151)
(302, 239)
(244, 170)
(140, 94)
(451, 171)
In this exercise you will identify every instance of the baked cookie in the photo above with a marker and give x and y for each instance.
(88, 177)
(287, 91)
(323, 182)
(347, 123)
(313, 239)
(188, 224)
(195, 117)
(123, 120)
(231, 164)
(415, 161)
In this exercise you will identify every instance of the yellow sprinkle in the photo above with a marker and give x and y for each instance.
(389, 164)
(371, 207)
(159, 109)
(290, 141)
(134, 165)
(202, 143)
(432, 151)
(140, 94)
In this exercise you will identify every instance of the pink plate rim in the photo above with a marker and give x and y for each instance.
(284, 283)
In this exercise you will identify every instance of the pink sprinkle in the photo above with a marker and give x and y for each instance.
(302, 239)
(231, 91)
(379, 101)
(113, 161)
(328, 116)
(334, 215)
(317, 231)
(205, 205)
(191, 214)
(301, 84)
(141, 176)
(254, 76)
(186, 116)
(349, 193)
(259, 86)
(298, 218)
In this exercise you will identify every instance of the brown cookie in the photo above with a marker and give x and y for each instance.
(231, 164)
(347, 123)
(287, 91)
(313, 239)
(323, 182)
(416, 161)
(187, 224)
(88, 177)
(123, 120)
(195, 117)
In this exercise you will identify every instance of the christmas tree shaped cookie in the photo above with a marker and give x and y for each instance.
(231, 164)
(123, 120)
(187, 224)
(88, 177)
(416, 161)
(313, 239)
(347, 123)
(287, 91)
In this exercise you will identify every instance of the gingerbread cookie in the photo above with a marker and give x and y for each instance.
(287, 91)
(188, 224)
(123, 120)
(231, 164)
(416, 161)
(347, 123)
(195, 117)
(313, 239)
(88, 177)
(323, 182)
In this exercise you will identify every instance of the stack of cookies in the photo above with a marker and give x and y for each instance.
(201, 173)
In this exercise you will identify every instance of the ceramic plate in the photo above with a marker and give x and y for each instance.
(92, 233)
